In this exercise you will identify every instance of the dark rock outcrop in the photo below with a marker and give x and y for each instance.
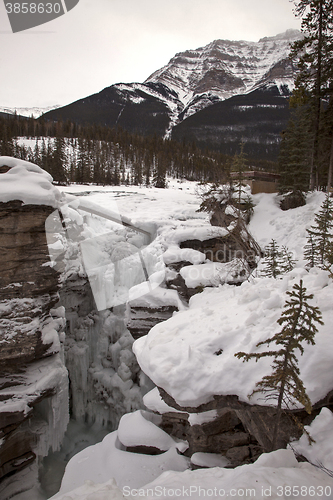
(143, 319)
(293, 200)
(24, 264)
(225, 249)
(28, 284)
(240, 431)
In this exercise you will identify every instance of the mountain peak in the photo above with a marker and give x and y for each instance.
(197, 79)
(224, 68)
(290, 35)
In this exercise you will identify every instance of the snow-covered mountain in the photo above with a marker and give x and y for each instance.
(195, 81)
(36, 112)
(224, 68)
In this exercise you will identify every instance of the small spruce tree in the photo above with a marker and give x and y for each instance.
(310, 253)
(276, 261)
(284, 385)
(288, 263)
(320, 236)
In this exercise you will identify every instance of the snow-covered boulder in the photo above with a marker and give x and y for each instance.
(191, 356)
(26, 182)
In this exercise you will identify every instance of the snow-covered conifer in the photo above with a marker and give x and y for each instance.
(284, 385)
(276, 261)
(320, 236)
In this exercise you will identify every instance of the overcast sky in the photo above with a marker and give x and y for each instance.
(102, 42)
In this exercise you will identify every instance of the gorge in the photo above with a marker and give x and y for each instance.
(63, 354)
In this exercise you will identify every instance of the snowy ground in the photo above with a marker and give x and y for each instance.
(274, 475)
(176, 354)
(169, 206)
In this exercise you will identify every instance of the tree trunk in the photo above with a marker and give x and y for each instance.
(330, 169)
(278, 413)
(318, 85)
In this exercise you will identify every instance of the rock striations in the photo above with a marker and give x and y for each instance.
(224, 68)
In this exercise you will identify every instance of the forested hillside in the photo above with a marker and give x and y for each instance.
(101, 155)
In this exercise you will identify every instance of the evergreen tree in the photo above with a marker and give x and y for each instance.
(284, 385)
(295, 156)
(320, 235)
(238, 168)
(137, 172)
(82, 173)
(159, 174)
(6, 142)
(37, 156)
(59, 161)
(116, 177)
(43, 155)
(288, 263)
(276, 261)
(314, 53)
(97, 177)
(310, 254)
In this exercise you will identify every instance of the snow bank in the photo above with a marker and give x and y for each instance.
(288, 228)
(274, 475)
(93, 491)
(213, 273)
(176, 254)
(27, 182)
(154, 402)
(107, 460)
(158, 297)
(209, 460)
(191, 355)
(321, 430)
(201, 233)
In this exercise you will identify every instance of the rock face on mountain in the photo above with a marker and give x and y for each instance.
(33, 378)
(197, 80)
(24, 276)
(226, 68)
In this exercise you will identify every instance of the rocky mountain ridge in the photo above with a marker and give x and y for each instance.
(225, 68)
(192, 81)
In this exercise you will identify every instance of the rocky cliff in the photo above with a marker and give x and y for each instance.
(34, 381)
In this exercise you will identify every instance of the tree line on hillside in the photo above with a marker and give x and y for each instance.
(101, 155)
